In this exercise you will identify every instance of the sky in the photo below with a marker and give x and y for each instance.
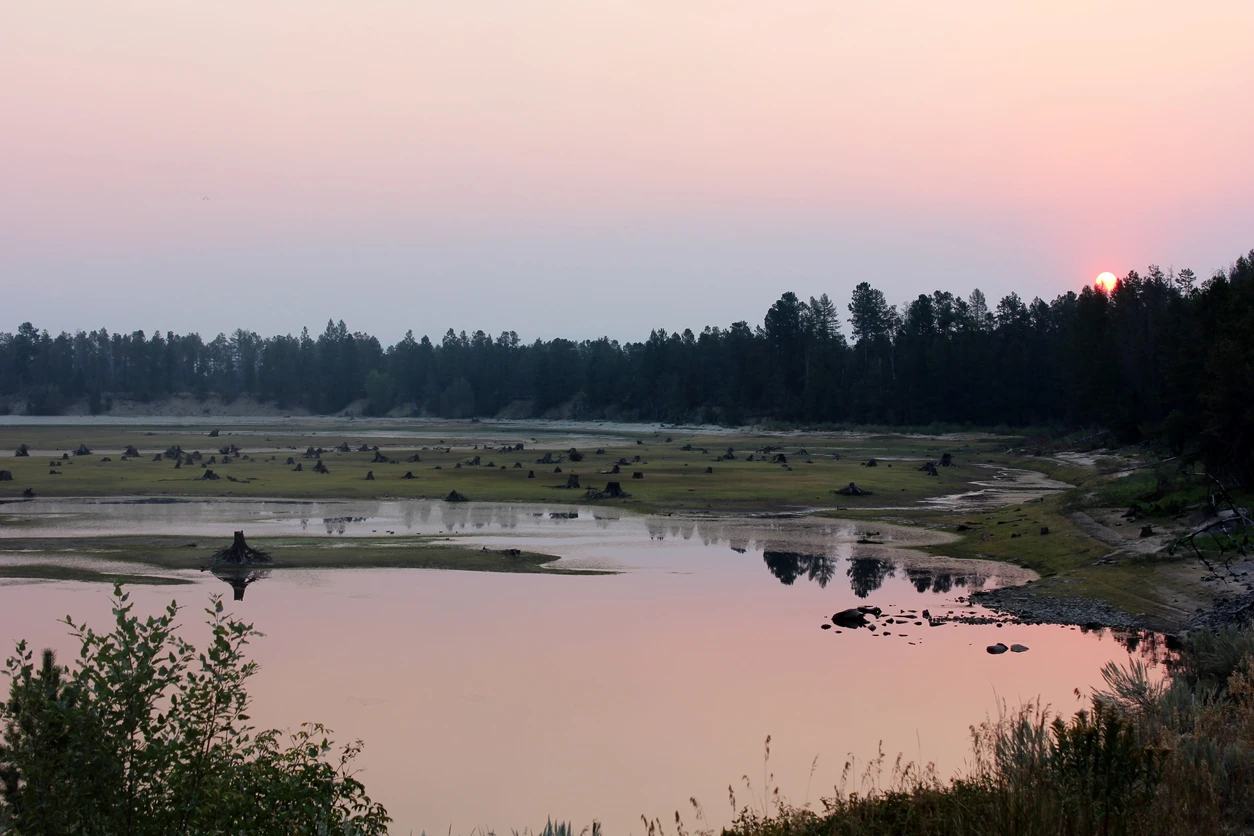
(578, 169)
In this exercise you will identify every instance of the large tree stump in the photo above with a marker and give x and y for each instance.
(239, 553)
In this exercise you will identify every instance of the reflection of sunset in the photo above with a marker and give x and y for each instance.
(1106, 281)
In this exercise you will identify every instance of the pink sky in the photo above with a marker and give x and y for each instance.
(534, 164)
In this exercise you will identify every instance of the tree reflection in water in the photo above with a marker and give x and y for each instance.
(867, 574)
(788, 566)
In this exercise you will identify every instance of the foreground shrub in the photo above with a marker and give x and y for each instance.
(148, 735)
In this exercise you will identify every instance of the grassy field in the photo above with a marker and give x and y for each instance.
(673, 478)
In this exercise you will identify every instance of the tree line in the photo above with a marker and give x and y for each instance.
(1162, 355)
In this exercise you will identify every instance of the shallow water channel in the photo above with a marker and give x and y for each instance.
(496, 700)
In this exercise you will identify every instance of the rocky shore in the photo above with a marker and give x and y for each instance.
(1030, 608)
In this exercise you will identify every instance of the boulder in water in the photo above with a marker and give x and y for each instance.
(851, 618)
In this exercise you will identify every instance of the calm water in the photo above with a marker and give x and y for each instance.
(494, 701)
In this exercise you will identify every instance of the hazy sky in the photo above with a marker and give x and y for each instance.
(577, 168)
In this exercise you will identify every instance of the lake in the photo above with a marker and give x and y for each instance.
(495, 700)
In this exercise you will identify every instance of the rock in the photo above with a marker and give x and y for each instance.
(1147, 531)
(869, 610)
(850, 618)
(997, 649)
(1019, 648)
(825, 626)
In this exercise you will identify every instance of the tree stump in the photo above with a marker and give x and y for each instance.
(239, 553)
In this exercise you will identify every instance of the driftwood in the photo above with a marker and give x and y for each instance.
(1229, 530)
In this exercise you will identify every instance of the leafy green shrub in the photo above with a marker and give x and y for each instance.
(148, 735)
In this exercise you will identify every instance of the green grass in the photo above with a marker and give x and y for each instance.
(673, 479)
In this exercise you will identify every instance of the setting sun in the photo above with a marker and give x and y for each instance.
(1106, 281)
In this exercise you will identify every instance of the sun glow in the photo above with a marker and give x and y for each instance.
(1106, 281)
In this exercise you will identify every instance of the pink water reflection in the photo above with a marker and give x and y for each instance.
(495, 701)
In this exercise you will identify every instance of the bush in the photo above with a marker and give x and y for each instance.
(148, 735)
